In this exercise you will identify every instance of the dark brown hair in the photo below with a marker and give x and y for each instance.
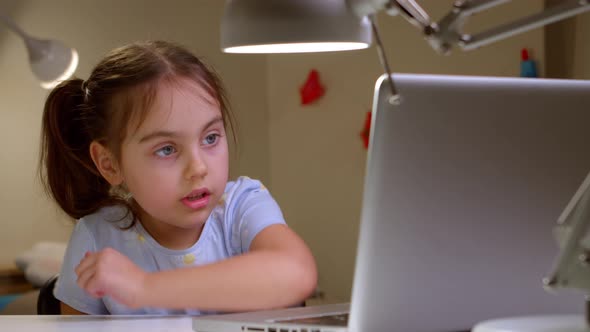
(120, 88)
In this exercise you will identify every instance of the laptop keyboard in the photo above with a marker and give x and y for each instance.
(333, 320)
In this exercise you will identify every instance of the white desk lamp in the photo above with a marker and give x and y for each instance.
(293, 26)
(51, 61)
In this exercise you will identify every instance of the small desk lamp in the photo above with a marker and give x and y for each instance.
(294, 26)
(51, 61)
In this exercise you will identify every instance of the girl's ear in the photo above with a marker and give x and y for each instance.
(106, 163)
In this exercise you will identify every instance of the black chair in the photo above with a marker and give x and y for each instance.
(47, 304)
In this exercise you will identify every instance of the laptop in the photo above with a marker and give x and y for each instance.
(464, 182)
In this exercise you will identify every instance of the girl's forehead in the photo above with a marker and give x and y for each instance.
(182, 92)
(177, 101)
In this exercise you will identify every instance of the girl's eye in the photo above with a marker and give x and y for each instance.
(165, 151)
(211, 139)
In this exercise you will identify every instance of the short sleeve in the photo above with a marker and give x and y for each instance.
(66, 289)
(251, 209)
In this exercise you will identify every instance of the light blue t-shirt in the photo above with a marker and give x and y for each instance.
(244, 210)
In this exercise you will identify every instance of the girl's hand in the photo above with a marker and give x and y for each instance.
(109, 273)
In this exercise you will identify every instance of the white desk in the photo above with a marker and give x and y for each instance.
(95, 323)
(184, 324)
(549, 323)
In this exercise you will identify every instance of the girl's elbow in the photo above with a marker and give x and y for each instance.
(311, 281)
(306, 279)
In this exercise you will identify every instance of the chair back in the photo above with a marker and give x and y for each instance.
(47, 304)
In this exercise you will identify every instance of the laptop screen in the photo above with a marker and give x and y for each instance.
(465, 181)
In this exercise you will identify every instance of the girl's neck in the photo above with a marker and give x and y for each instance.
(169, 236)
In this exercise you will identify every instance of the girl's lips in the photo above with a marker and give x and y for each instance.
(196, 204)
(197, 193)
(197, 199)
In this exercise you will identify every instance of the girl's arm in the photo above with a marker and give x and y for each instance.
(278, 271)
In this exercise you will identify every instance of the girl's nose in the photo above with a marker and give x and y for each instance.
(196, 167)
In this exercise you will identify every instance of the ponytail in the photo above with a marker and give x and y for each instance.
(65, 166)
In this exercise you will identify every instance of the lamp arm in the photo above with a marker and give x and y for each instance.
(447, 32)
(570, 269)
(412, 12)
(409, 9)
(556, 13)
(11, 25)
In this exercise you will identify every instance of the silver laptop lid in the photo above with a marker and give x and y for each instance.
(465, 180)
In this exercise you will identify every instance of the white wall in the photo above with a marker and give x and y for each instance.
(317, 159)
(94, 27)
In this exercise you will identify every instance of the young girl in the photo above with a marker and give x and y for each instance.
(138, 153)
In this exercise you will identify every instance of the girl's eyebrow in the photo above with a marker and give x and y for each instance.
(172, 134)
(158, 134)
(213, 121)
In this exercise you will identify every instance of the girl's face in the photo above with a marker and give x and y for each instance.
(176, 163)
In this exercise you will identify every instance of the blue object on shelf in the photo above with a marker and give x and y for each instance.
(528, 67)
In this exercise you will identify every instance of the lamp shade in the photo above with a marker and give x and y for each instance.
(292, 26)
(51, 61)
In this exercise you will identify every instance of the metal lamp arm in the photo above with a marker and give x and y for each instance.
(448, 31)
(556, 13)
